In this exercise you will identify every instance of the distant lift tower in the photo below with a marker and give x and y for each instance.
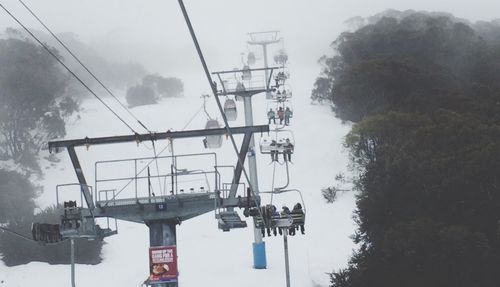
(244, 84)
(264, 39)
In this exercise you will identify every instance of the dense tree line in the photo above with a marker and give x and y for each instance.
(35, 103)
(32, 88)
(152, 89)
(423, 92)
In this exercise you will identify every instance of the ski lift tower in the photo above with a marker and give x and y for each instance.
(162, 212)
(264, 39)
(244, 84)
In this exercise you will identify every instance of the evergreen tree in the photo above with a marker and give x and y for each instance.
(425, 147)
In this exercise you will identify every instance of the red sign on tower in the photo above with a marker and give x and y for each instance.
(162, 264)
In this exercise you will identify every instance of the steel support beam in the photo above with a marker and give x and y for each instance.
(81, 178)
(287, 263)
(155, 136)
(239, 166)
(72, 255)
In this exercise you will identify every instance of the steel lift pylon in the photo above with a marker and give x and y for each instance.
(161, 213)
(238, 89)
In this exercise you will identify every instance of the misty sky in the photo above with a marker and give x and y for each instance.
(154, 34)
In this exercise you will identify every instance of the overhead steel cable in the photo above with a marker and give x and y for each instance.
(214, 91)
(66, 67)
(95, 78)
(90, 73)
(83, 65)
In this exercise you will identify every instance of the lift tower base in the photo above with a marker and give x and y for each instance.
(163, 233)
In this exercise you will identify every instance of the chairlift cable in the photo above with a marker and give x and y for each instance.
(87, 69)
(272, 184)
(214, 91)
(66, 67)
(157, 168)
(274, 169)
(83, 65)
(205, 106)
(193, 117)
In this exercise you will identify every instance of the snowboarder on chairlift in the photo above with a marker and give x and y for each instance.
(271, 115)
(281, 115)
(288, 115)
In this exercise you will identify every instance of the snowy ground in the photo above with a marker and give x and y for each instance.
(208, 256)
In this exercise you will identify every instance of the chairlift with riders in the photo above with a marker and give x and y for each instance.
(282, 143)
(269, 219)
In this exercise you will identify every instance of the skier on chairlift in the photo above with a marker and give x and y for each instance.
(274, 214)
(297, 209)
(287, 150)
(273, 146)
(263, 211)
(271, 115)
(288, 115)
(269, 211)
(281, 115)
(285, 212)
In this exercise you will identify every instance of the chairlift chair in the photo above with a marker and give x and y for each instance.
(269, 218)
(275, 105)
(213, 141)
(278, 144)
(281, 77)
(281, 57)
(282, 93)
(230, 110)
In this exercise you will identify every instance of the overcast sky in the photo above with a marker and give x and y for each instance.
(153, 32)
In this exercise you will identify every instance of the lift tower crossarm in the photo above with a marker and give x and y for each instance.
(71, 144)
(274, 39)
(81, 178)
(236, 71)
(155, 136)
(263, 42)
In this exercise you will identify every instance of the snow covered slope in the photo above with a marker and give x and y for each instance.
(208, 256)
